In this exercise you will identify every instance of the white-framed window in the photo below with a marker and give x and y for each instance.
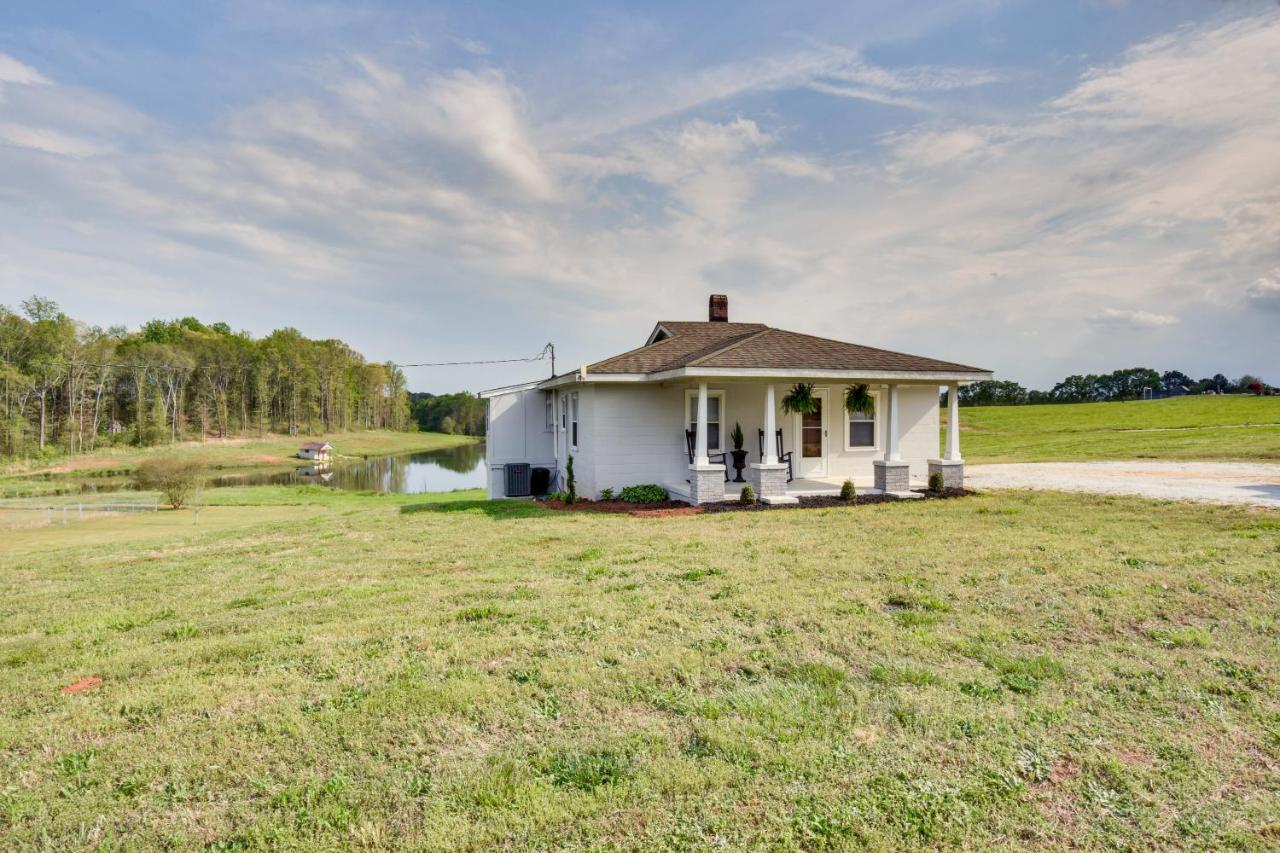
(551, 411)
(715, 418)
(564, 411)
(573, 421)
(861, 431)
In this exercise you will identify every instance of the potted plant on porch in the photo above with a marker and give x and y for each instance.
(800, 400)
(739, 455)
(857, 398)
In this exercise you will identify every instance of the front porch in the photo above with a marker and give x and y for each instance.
(815, 453)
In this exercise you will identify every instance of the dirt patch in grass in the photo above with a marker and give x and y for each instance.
(91, 682)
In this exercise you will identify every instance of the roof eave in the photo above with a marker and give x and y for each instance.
(975, 375)
(788, 373)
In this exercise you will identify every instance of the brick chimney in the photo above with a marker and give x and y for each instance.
(718, 309)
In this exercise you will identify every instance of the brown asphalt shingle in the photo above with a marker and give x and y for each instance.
(754, 345)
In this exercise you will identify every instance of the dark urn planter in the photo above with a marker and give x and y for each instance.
(739, 462)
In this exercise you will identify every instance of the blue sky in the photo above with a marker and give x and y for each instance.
(1038, 188)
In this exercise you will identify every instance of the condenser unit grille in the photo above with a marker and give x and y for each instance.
(517, 479)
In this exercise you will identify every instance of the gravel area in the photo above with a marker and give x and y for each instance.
(1256, 484)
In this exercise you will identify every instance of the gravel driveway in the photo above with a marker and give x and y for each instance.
(1251, 483)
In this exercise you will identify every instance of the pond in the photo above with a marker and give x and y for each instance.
(446, 470)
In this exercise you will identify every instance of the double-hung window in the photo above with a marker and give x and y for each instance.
(715, 423)
(551, 411)
(860, 431)
(573, 415)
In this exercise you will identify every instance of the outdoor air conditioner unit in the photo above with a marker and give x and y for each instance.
(517, 479)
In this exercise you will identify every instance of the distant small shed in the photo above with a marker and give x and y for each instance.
(316, 450)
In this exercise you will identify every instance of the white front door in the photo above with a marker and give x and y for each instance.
(811, 439)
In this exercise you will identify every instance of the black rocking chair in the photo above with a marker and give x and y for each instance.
(782, 457)
(718, 458)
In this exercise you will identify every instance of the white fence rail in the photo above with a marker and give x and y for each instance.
(37, 512)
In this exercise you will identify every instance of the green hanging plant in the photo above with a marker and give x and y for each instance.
(857, 398)
(800, 400)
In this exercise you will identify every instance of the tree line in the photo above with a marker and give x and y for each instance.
(1134, 383)
(66, 386)
(455, 414)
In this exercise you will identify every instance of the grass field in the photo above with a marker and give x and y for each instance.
(306, 669)
(222, 455)
(1212, 428)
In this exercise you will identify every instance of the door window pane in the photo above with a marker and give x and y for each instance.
(811, 433)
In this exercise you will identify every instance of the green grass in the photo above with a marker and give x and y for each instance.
(1212, 428)
(222, 456)
(306, 669)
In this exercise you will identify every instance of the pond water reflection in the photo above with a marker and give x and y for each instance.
(459, 467)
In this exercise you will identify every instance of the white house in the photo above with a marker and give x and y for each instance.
(316, 450)
(665, 412)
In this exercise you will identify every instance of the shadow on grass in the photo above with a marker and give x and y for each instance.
(493, 509)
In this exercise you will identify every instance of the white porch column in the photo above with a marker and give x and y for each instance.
(700, 435)
(953, 423)
(891, 452)
(770, 428)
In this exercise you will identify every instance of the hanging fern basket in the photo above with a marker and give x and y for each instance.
(800, 400)
(857, 398)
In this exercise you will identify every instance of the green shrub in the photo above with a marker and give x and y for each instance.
(175, 476)
(936, 483)
(606, 494)
(848, 491)
(747, 496)
(645, 493)
(571, 486)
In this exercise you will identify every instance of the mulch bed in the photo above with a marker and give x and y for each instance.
(658, 510)
(670, 508)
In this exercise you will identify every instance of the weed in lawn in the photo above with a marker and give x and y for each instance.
(895, 676)
(1187, 637)
(587, 770)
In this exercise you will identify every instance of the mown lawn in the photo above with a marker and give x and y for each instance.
(336, 670)
(1236, 428)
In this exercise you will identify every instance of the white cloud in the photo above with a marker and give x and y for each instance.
(1126, 319)
(13, 71)
(46, 140)
(797, 166)
(1265, 292)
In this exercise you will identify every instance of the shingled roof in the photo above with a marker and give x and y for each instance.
(683, 344)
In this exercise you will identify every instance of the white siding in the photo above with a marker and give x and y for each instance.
(640, 432)
(516, 432)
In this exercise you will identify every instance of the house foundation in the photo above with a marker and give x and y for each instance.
(952, 472)
(892, 476)
(768, 480)
(706, 484)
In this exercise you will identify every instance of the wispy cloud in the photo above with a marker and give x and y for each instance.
(1129, 319)
(13, 71)
(1265, 292)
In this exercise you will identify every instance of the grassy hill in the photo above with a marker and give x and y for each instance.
(1222, 428)
(307, 669)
